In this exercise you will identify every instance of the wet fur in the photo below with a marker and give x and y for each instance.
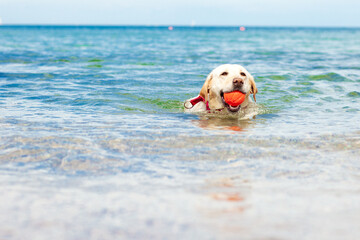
(216, 83)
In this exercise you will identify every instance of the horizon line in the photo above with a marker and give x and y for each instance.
(167, 25)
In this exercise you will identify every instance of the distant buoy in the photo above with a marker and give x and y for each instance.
(242, 29)
(170, 28)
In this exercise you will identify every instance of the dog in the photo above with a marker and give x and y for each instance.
(223, 79)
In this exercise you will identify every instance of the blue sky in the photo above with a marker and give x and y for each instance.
(183, 12)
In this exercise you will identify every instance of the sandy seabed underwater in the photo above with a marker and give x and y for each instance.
(94, 143)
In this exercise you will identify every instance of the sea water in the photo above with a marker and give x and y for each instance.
(94, 142)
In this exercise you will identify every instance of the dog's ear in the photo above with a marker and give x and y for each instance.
(253, 90)
(204, 92)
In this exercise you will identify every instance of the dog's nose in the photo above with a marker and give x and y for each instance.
(238, 82)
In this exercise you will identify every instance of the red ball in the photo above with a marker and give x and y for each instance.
(234, 98)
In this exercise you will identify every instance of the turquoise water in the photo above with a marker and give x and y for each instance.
(94, 143)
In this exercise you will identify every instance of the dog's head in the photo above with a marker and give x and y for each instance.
(227, 78)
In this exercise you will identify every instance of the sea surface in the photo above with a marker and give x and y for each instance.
(95, 144)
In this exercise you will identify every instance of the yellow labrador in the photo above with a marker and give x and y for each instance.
(225, 78)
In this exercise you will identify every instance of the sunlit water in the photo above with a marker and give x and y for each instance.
(94, 143)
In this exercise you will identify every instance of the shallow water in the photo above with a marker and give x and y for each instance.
(95, 144)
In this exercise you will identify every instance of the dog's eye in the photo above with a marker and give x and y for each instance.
(224, 74)
(242, 74)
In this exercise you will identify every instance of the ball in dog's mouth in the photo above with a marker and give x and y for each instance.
(233, 100)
